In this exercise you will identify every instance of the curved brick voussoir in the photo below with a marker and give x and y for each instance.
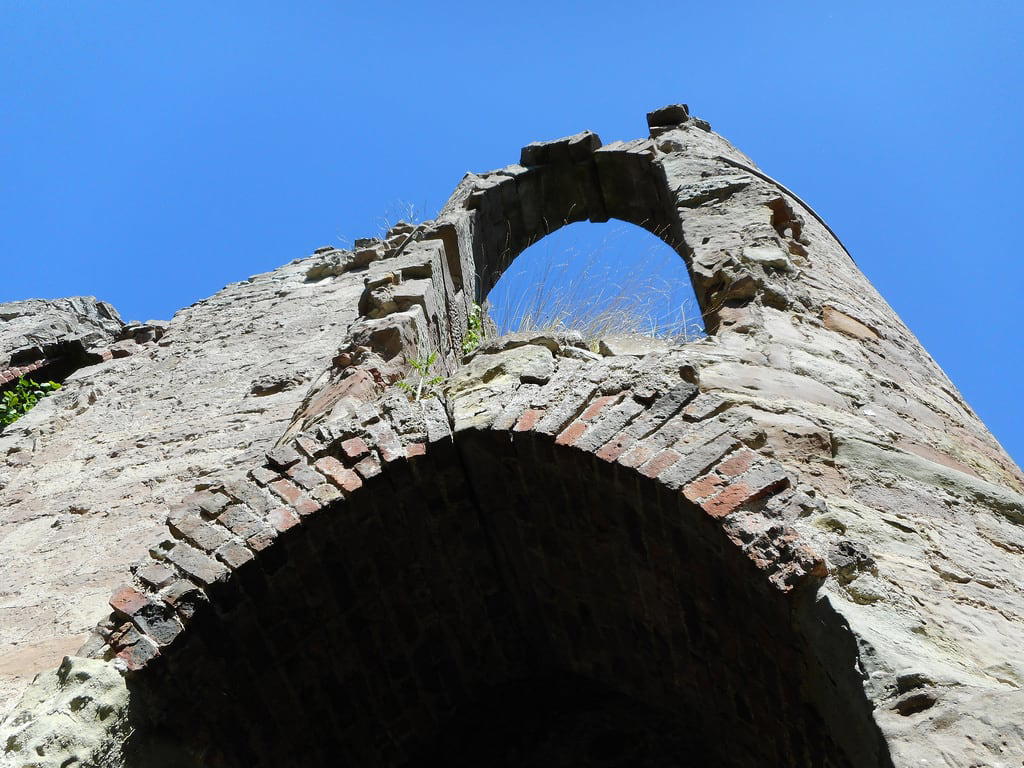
(200, 633)
(639, 413)
(216, 531)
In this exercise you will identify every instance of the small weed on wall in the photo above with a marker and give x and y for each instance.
(423, 384)
(19, 400)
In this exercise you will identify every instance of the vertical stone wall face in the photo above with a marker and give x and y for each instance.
(793, 536)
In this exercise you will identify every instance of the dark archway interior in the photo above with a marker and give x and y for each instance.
(560, 721)
(553, 611)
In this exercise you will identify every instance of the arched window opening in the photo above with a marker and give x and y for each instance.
(599, 279)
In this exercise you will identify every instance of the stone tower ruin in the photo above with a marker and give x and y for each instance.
(791, 543)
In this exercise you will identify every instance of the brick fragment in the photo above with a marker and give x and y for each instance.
(309, 446)
(283, 456)
(571, 434)
(528, 420)
(737, 463)
(354, 448)
(339, 474)
(121, 631)
(263, 475)
(655, 466)
(639, 453)
(368, 467)
(728, 500)
(760, 481)
(615, 447)
(698, 459)
(388, 443)
(304, 475)
(154, 619)
(667, 434)
(196, 564)
(514, 407)
(306, 506)
(608, 422)
(199, 532)
(137, 651)
(156, 575)
(287, 490)
(127, 601)
(766, 476)
(415, 449)
(260, 541)
(241, 521)
(234, 554)
(325, 493)
(184, 596)
(703, 487)
(210, 503)
(596, 406)
(572, 399)
(283, 519)
(251, 495)
(704, 406)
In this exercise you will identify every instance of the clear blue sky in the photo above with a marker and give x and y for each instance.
(152, 152)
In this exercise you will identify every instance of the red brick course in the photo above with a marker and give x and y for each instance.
(660, 463)
(667, 448)
(528, 420)
(571, 434)
(596, 406)
(287, 490)
(354, 448)
(347, 480)
(283, 519)
(613, 449)
(738, 463)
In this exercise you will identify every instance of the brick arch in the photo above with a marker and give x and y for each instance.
(563, 182)
(366, 593)
(420, 282)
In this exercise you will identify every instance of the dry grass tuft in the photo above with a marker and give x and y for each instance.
(598, 293)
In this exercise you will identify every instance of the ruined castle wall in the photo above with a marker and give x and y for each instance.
(86, 478)
(811, 449)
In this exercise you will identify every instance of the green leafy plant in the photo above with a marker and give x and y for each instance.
(425, 385)
(474, 329)
(20, 399)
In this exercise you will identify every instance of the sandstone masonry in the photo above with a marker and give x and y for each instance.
(791, 543)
